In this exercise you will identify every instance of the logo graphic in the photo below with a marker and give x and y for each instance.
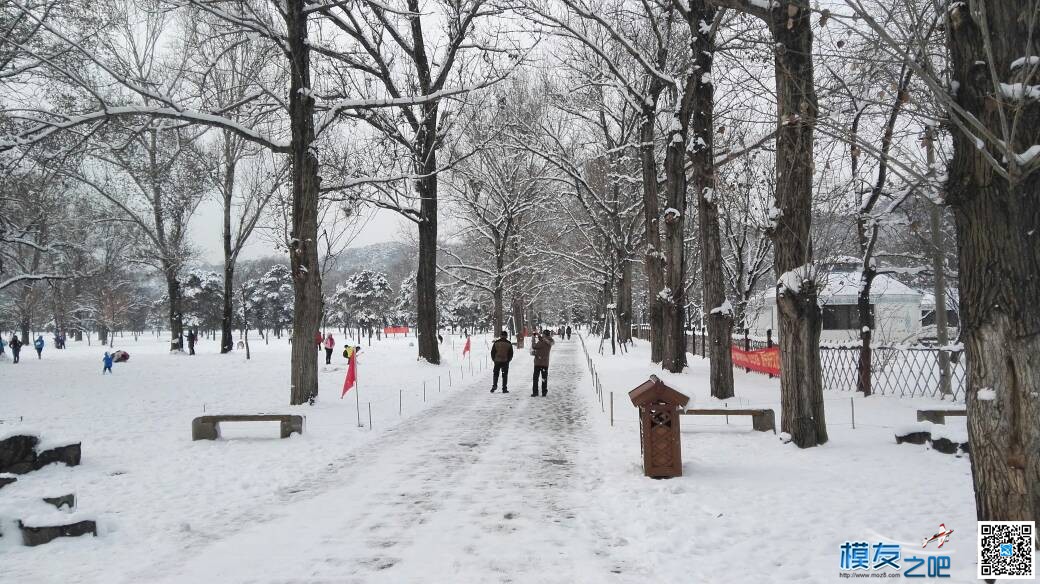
(888, 559)
(943, 536)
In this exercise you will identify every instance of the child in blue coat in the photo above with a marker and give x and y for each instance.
(107, 359)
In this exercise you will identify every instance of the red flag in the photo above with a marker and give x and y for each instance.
(466, 348)
(351, 374)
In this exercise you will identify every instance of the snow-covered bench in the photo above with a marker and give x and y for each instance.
(938, 416)
(761, 420)
(208, 427)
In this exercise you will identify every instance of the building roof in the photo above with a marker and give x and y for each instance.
(840, 287)
(848, 284)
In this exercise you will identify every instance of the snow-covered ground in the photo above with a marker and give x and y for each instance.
(467, 487)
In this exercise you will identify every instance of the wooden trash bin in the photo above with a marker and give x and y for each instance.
(659, 438)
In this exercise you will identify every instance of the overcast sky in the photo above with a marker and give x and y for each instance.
(206, 226)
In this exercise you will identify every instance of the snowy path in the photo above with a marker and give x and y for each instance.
(483, 487)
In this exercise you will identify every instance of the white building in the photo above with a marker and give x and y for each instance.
(896, 306)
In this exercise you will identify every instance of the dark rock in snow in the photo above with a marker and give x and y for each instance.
(69, 454)
(913, 438)
(62, 501)
(4, 481)
(18, 454)
(32, 536)
(947, 446)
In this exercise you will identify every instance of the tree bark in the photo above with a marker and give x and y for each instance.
(303, 244)
(801, 380)
(939, 269)
(999, 258)
(426, 275)
(176, 314)
(702, 157)
(497, 316)
(654, 262)
(624, 302)
(674, 299)
(227, 340)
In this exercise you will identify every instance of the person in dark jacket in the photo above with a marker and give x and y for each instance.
(16, 347)
(192, 337)
(540, 349)
(501, 355)
(38, 345)
(568, 332)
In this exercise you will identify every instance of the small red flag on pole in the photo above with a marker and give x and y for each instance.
(351, 373)
(466, 348)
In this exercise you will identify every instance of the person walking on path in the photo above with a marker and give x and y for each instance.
(501, 355)
(568, 332)
(192, 337)
(16, 347)
(107, 360)
(38, 345)
(540, 349)
(3, 354)
(330, 344)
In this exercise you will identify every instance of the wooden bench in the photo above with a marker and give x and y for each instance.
(938, 416)
(208, 427)
(761, 420)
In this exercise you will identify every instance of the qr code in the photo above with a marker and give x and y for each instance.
(1006, 549)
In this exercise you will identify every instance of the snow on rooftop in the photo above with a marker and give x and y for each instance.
(848, 284)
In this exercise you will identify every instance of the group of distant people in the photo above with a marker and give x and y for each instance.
(16, 344)
(329, 343)
(541, 345)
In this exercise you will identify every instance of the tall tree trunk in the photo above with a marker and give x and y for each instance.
(999, 257)
(654, 262)
(497, 316)
(702, 157)
(519, 319)
(801, 380)
(303, 244)
(867, 231)
(673, 300)
(624, 302)
(176, 316)
(864, 312)
(939, 269)
(227, 340)
(426, 276)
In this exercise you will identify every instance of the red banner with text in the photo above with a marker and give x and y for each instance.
(762, 360)
(395, 330)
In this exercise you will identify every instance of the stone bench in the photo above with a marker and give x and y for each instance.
(208, 427)
(938, 416)
(761, 420)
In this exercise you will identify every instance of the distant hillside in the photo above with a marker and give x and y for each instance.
(393, 258)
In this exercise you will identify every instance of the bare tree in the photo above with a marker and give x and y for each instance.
(410, 75)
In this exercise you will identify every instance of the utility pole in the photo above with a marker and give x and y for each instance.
(938, 263)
